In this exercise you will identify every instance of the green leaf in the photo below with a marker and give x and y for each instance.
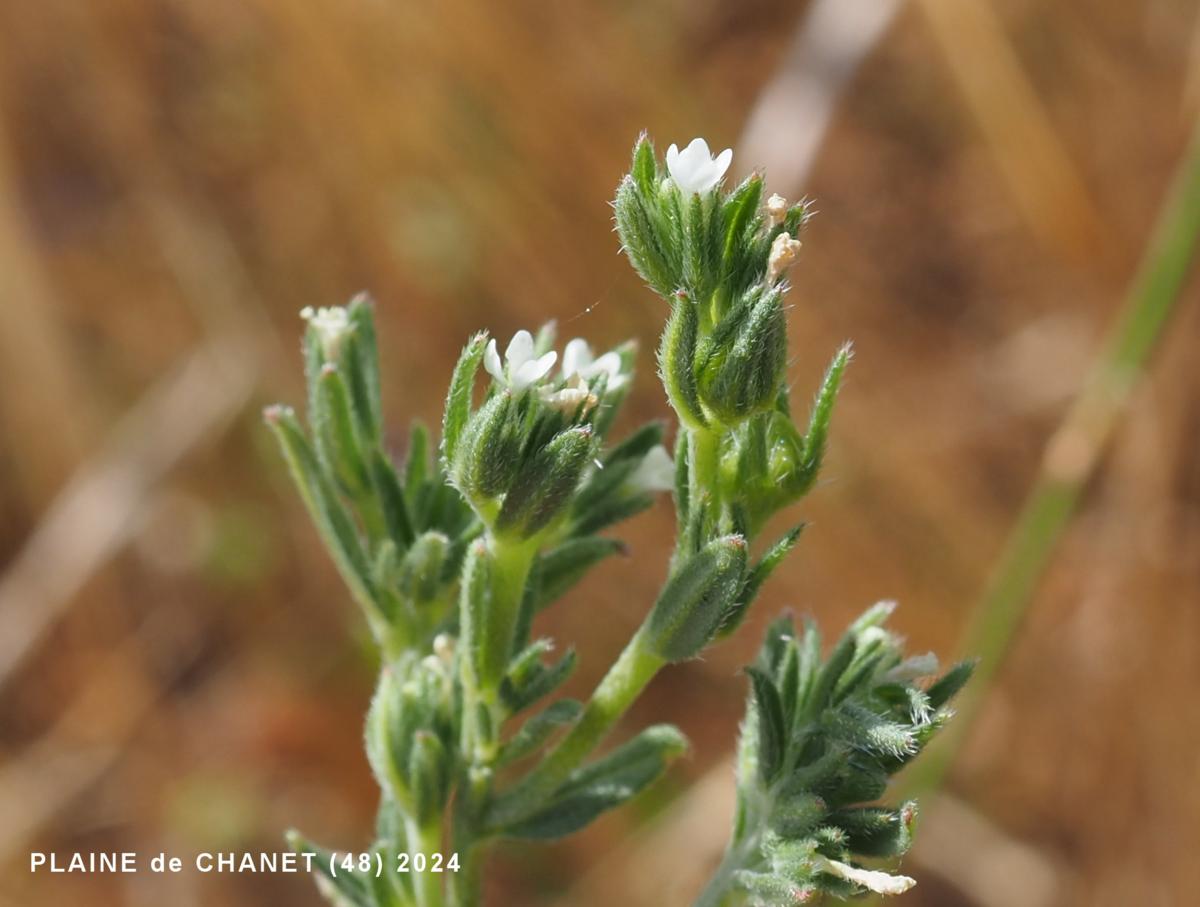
(338, 444)
(946, 687)
(817, 435)
(520, 688)
(758, 575)
(538, 729)
(416, 464)
(391, 500)
(604, 784)
(360, 360)
(346, 889)
(327, 511)
(772, 729)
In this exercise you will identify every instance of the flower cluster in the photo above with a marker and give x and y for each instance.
(455, 549)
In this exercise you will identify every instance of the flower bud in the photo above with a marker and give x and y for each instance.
(740, 366)
(696, 599)
(489, 451)
(428, 776)
(784, 251)
(420, 573)
(545, 483)
(644, 238)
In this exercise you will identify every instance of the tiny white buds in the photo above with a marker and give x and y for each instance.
(443, 647)
(332, 325)
(694, 169)
(872, 880)
(777, 208)
(656, 472)
(520, 368)
(783, 252)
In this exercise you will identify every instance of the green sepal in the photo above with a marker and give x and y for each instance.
(644, 237)
(740, 366)
(458, 399)
(544, 485)
(676, 353)
(423, 566)
(429, 771)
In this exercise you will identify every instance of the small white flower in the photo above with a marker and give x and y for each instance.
(777, 208)
(332, 325)
(567, 399)
(520, 367)
(579, 360)
(694, 169)
(783, 252)
(872, 880)
(656, 472)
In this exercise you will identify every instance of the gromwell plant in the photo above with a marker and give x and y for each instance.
(454, 550)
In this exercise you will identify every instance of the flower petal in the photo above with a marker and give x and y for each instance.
(577, 356)
(656, 472)
(722, 162)
(491, 361)
(872, 880)
(520, 351)
(532, 370)
(609, 363)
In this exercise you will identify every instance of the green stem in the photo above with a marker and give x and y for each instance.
(427, 841)
(1073, 453)
(614, 695)
(704, 448)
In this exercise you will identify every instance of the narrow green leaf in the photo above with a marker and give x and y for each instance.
(772, 729)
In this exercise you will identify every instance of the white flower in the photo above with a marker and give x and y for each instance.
(656, 472)
(520, 368)
(872, 880)
(783, 252)
(579, 360)
(694, 169)
(567, 399)
(777, 209)
(332, 325)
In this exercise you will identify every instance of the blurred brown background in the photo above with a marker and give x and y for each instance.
(180, 669)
